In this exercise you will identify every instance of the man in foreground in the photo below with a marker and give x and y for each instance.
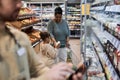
(18, 60)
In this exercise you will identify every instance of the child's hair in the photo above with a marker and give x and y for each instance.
(44, 35)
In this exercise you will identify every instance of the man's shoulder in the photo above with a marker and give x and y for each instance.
(17, 32)
(19, 35)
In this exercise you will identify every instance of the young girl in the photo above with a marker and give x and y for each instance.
(47, 52)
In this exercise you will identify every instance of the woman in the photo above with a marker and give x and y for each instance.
(47, 52)
(59, 31)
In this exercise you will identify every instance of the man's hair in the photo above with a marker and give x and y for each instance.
(58, 10)
(44, 35)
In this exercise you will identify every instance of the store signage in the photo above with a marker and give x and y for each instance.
(85, 9)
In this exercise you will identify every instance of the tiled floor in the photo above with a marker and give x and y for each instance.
(75, 46)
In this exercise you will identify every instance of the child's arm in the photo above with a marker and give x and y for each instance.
(51, 51)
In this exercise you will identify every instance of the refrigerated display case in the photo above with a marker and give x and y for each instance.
(103, 24)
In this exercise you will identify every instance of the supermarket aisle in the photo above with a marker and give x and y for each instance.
(75, 46)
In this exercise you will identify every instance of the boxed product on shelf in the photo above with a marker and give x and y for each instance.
(16, 24)
(36, 33)
(24, 23)
(34, 36)
(25, 11)
(74, 22)
(48, 15)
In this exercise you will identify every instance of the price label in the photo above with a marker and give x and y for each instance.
(106, 58)
(85, 9)
(113, 8)
(113, 74)
(119, 47)
(114, 41)
(117, 44)
(107, 63)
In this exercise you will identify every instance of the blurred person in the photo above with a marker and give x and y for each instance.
(18, 60)
(47, 52)
(59, 31)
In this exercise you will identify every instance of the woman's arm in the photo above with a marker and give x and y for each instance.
(68, 34)
(51, 31)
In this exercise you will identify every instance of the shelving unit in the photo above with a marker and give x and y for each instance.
(106, 62)
(73, 18)
(103, 29)
(104, 22)
(25, 22)
(45, 10)
(96, 63)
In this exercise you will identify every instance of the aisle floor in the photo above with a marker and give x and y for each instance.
(75, 46)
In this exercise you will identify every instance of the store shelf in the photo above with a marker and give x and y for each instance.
(29, 25)
(113, 40)
(47, 11)
(104, 57)
(100, 2)
(100, 8)
(75, 14)
(96, 66)
(75, 29)
(74, 24)
(105, 35)
(73, 10)
(36, 43)
(107, 25)
(38, 24)
(100, 62)
(74, 36)
(73, 19)
(26, 16)
(114, 8)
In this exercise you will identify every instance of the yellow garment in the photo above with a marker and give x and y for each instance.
(47, 54)
(14, 66)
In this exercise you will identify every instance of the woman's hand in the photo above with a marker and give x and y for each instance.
(67, 44)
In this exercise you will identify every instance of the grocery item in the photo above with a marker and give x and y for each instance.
(26, 11)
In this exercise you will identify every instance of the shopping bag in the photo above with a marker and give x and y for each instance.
(72, 57)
